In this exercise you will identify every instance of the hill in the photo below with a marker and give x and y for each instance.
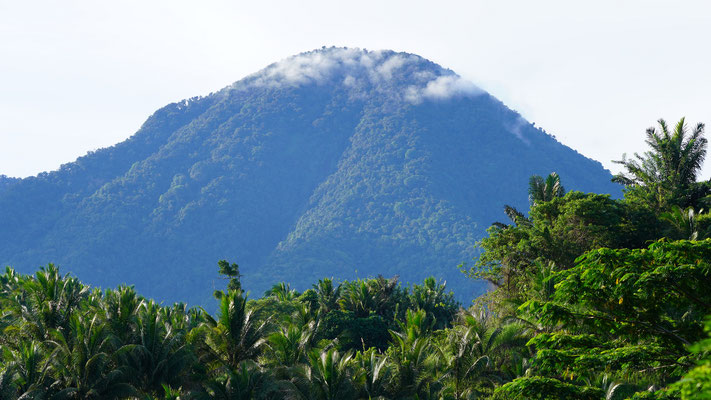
(336, 162)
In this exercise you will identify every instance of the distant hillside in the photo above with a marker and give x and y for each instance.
(336, 162)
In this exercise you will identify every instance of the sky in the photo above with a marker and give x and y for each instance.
(76, 76)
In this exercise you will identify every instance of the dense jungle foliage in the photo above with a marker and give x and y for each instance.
(593, 298)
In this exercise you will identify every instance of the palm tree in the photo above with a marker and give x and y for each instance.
(160, 355)
(290, 344)
(327, 376)
(440, 305)
(27, 369)
(465, 366)
(666, 174)
(247, 382)
(50, 301)
(282, 291)
(8, 388)
(373, 374)
(541, 190)
(358, 298)
(412, 356)
(517, 217)
(82, 362)
(503, 343)
(327, 295)
(234, 337)
(685, 223)
(120, 309)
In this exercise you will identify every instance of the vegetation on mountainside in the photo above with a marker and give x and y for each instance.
(297, 182)
(594, 298)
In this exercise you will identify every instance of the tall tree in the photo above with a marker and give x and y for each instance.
(666, 174)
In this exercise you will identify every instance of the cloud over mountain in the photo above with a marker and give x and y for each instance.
(362, 69)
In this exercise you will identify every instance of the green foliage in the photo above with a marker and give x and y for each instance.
(231, 271)
(404, 343)
(696, 383)
(558, 232)
(542, 190)
(687, 224)
(665, 175)
(542, 388)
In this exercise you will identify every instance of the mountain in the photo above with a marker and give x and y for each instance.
(333, 163)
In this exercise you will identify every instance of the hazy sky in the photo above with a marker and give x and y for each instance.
(79, 75)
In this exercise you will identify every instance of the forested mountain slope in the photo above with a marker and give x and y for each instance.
(336, 162)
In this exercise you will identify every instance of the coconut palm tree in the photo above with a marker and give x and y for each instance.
(247, 382)
(290, 344)
(327, 376)
(503, 343)
(413, 357)
(282, 291)
(327, 294)
(120, 309)
(465, 367)
(27, 370)
(440, 305)
(8, 388)
(372, 375)
(666, 174)
(542, 190)
(50, 301)
(160, 355)
(234, 337)
(685, 223)
(358, 298)
(82, 362)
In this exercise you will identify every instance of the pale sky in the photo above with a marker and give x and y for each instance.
(80, 75)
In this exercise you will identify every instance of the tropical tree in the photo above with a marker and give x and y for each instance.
(688, 223)
(282, 291)
(161, 356)
(82, 362)
(327, 294)
(248, 382)
(233, 337)
(290, 345)
(635, 311)
(413, 357)
(666, 174)
(327, 376)
(433, 298)
(696, 384)
(120, 309)
(542, 190)
(358, 298)
(481, 352)
(231, 273)
(50, 301)
(373, 374)
(8, 387)
(27, 370)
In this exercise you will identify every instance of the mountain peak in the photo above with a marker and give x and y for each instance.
(318, 165)
(404, 76)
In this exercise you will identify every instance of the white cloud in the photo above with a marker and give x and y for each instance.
(392, 64)
(442, 88)
(516, 128)
(361, 69)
